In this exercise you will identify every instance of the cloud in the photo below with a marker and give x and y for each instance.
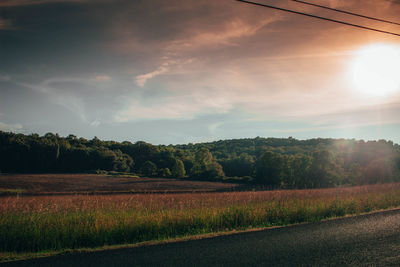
(344, 120)
(102, 78)
(12, 3)
(197, 31)
(6, 24)
(274, 88)
(180, 52)
(224, 35)
(175, 107)
(68, 92)
(10, 127)
(5, 77)
(95, 123)
(173, 61)
(143, 78)
(379, 114)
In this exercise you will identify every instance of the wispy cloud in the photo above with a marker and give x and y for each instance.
(95, 123)
(102, 78)
(143, 78)
(9, 3)
(179, 52)
(68, 99)
(226, 34)
(175, 107)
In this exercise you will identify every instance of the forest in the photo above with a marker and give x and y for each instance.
(270, 162)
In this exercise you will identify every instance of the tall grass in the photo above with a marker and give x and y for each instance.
(30, 224)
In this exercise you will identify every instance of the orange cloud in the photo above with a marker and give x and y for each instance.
(102, 78)
(9, 3)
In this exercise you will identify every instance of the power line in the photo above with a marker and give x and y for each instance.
(322, 18)
(346, 12)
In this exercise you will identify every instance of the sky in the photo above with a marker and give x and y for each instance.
(180, 71)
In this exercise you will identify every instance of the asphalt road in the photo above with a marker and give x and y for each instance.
(368, 240)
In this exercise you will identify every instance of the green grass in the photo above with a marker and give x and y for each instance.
(53, 223)
(11, 191)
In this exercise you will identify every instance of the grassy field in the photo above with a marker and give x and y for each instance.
(48, 223)
(62, 184)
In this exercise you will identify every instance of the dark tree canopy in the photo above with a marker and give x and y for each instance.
(272, 162)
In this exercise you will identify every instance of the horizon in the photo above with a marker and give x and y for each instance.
(198, 71)
(210, 141)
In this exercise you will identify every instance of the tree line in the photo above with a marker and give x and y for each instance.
(272, 162)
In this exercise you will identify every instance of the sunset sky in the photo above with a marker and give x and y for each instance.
(182, 71)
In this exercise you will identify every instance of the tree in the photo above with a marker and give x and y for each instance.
(379, 171)
(238, 166)
(269, 169)
(203, 156)
(149, 169)
(287, 163)
(324, 170)
(178, 170)
(213, 171)
(142, 152)
(354, 174)
(205, 166)
(164, 172)
(122, 162)
(297, 171)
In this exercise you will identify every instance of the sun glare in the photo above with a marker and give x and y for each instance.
(375, 70)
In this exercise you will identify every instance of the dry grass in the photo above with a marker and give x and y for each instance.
(39, 184)
(36, 223)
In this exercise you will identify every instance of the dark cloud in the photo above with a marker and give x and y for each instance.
(58, 38)
(18, 3)
(105, 67)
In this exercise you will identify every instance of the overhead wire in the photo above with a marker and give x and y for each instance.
(321, 18)
(346, 12)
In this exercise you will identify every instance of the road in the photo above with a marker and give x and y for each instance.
(368, 240)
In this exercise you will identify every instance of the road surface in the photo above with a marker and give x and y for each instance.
(368, 240)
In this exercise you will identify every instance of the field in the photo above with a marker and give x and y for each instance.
(55, 223)
(53, 184)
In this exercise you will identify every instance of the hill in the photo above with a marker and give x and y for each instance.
(272, 162)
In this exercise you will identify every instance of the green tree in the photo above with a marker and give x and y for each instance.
(149, 169)
(205, 166)
(164, 172)
(122, 162)
(213, 170)
(238, 166)
(354, 174)
(203, 156)
(299, 171)
(269, 169)
(178, 170)
(324, 170)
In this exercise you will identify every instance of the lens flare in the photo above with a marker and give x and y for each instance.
(375, 70)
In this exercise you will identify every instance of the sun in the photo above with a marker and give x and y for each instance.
(375, 70)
